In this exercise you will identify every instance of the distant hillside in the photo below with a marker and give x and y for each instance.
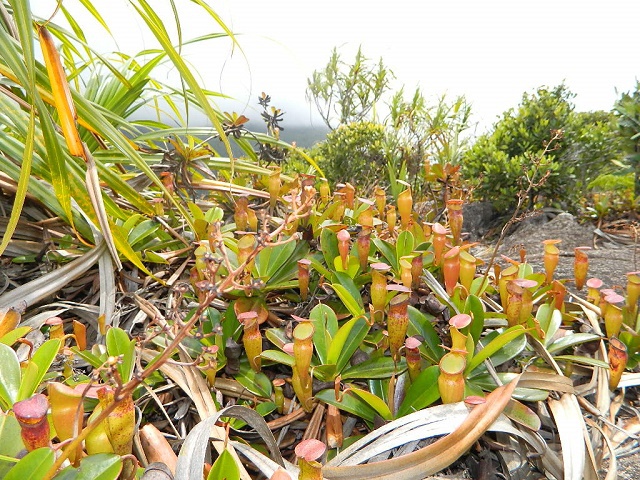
(304, 136)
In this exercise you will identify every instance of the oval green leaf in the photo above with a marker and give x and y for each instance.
(422, 392)
(33, 466)
(9, 376)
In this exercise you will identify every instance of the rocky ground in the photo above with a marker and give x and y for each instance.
(611, 256)
(614, 252)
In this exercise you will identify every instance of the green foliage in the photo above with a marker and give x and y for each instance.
(503, 162)
(354, 153)
(593, 146)
(611, 195)
(348, 92)
(421, 132)
(627, 109)
(298, 257)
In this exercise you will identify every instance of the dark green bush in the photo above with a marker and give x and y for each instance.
(503, 162)
(354, 153)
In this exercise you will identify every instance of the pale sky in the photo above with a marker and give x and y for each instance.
(491, 51)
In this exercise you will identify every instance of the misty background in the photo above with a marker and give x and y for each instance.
(491, 51)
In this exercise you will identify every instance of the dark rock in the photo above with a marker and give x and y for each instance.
(607, 261)
(479, 217)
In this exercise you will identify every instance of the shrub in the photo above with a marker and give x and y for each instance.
(354, 153)
(611, 194)
(500, 161)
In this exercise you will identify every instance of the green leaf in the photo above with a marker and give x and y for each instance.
(572, 340)
(143, 230)
(94, 360)
(119, 344)
(278, 357)
(348, 293)
(325, 325)
(156, 25)
(496, 344)
(23, 182)
(353, 265)
(317, 265)
(56, 160)
(550, 320)
(404, 244)
(278, 263)
(30, 374)
(326, 372)
(277, 336)
(347, 340)
(10, 338)
(373, 401)
(329, 245)
(352, 304)
(100, 466)
(509, 351)
(387, 251)
(224, 468)
(349, 403)
(42, 359)
(419, 324)
(257, 383)
(583, 360)
(379, 367)
(422, 392)
(473, 307)
(33, 466)
(523, 415)
(10, 441)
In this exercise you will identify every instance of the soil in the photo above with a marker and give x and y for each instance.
(614, 253)
(611, 255)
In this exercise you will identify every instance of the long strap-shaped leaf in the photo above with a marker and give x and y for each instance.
(570, 423)
(438, 455)
(192, 453)
(95, 193)
(68, 118)
(23, 183)
(39, 289)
